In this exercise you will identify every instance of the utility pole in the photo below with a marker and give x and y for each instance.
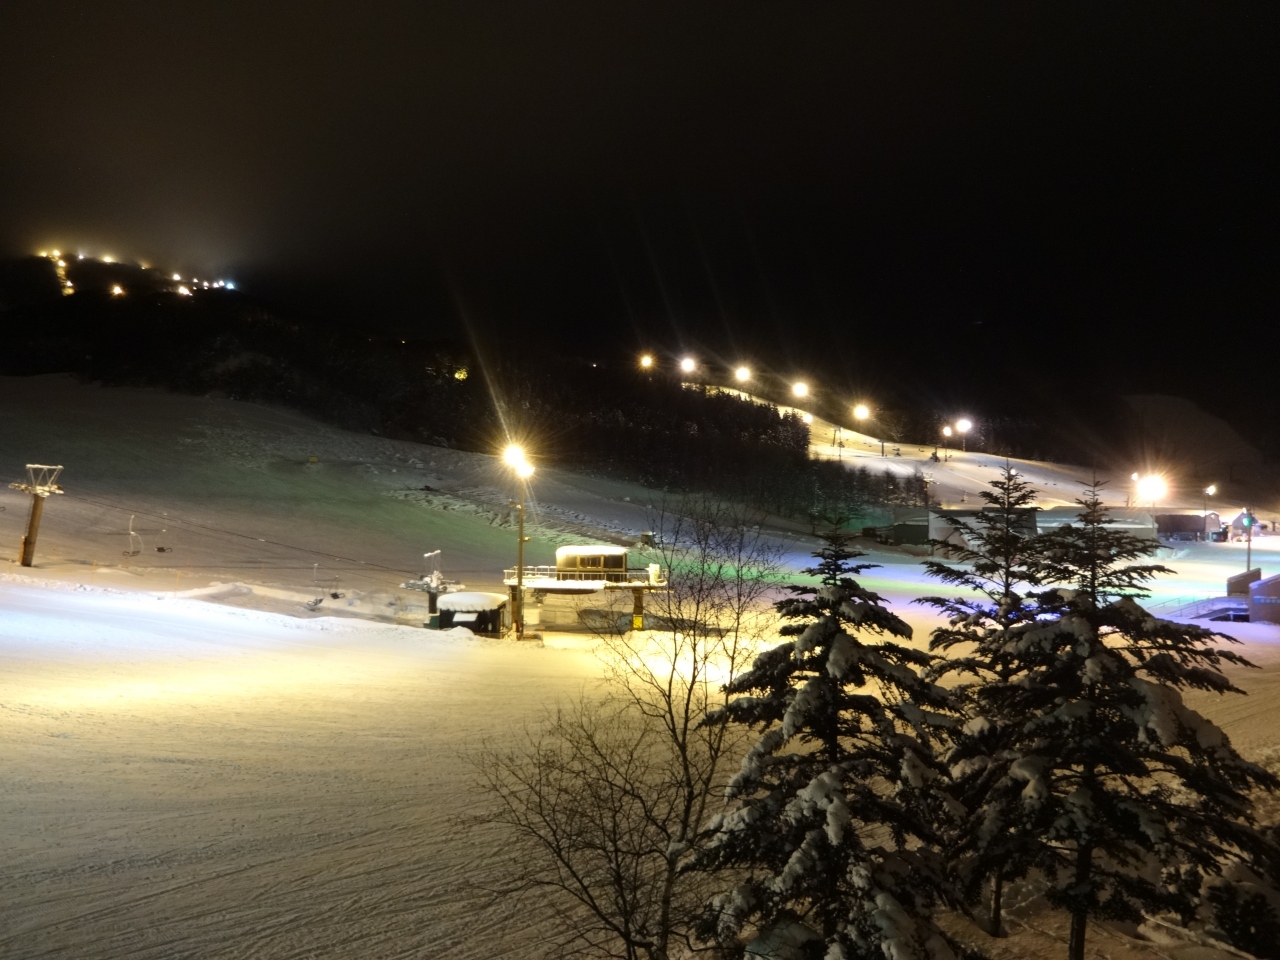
(520, 569)
(42, 481)
(1248, 539)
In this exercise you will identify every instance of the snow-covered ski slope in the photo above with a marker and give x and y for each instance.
(180, 778)
(958, 475)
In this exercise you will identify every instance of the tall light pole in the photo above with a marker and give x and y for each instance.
(946, 432)
(513, 456)
(860, 413)
(1209, 491)
(964, 426)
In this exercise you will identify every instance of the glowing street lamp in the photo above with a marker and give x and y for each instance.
(117, 290)
(688, 365)
(742, 374)
(963, 426)
(646, 362)
(1208, 492)
(860, 413)
(800, 388)
(1152, 488)
(513, 457)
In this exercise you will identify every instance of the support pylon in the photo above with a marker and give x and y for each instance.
(42, 482)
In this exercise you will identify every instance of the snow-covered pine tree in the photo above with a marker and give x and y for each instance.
(830, 825)
(996, 565)
(1106, 771)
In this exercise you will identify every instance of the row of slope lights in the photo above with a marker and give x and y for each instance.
(60, 266)
(742, 374)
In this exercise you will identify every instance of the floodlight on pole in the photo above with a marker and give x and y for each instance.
(513, 456)
(646, 362)
(1209, 491)
(861, 412)
(742, 374)
(1152, 488)
(800, 388)
(688, 365)
(963, 426)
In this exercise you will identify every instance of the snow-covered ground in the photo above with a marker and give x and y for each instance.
(242, 778)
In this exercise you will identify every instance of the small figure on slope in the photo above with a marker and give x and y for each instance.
(830, 814)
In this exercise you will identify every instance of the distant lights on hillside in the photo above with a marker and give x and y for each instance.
(186, 290)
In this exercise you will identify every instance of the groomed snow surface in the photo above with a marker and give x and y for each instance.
(182, 779)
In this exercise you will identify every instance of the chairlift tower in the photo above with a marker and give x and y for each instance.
(42, 482)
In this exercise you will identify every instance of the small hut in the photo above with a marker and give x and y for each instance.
(481, 613)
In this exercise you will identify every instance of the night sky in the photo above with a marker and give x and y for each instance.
(855, 190)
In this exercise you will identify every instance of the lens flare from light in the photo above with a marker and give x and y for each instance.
(861, 411)
(742, 374)
(800, 388)
(524, 470)
(513, 455)
(646, 361)
(1152, 488)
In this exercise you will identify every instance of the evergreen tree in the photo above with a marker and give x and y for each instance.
(1096, 766)
(997, 564)
(830, 825)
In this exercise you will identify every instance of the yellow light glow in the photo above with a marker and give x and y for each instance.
(646, 361)
(184, 292)
(524, 470)
(1210, 490)
(57, 253)
(861, 412)
(62, 263)
(176, 277)
(513, 455)
(742, 374)
(688, 365)
(1152, 488)
(460, 373)
(107, 259)
(946, 431)
(117, 290)
(800, 388)
(807, 417)
(964, 426)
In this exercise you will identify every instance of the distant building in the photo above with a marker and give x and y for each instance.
(916, 526)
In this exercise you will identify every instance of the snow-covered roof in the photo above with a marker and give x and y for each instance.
(597, 551)
(471, 602)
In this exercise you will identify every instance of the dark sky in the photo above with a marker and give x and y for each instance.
(827, 182)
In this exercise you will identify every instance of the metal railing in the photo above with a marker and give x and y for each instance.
(547, 572)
